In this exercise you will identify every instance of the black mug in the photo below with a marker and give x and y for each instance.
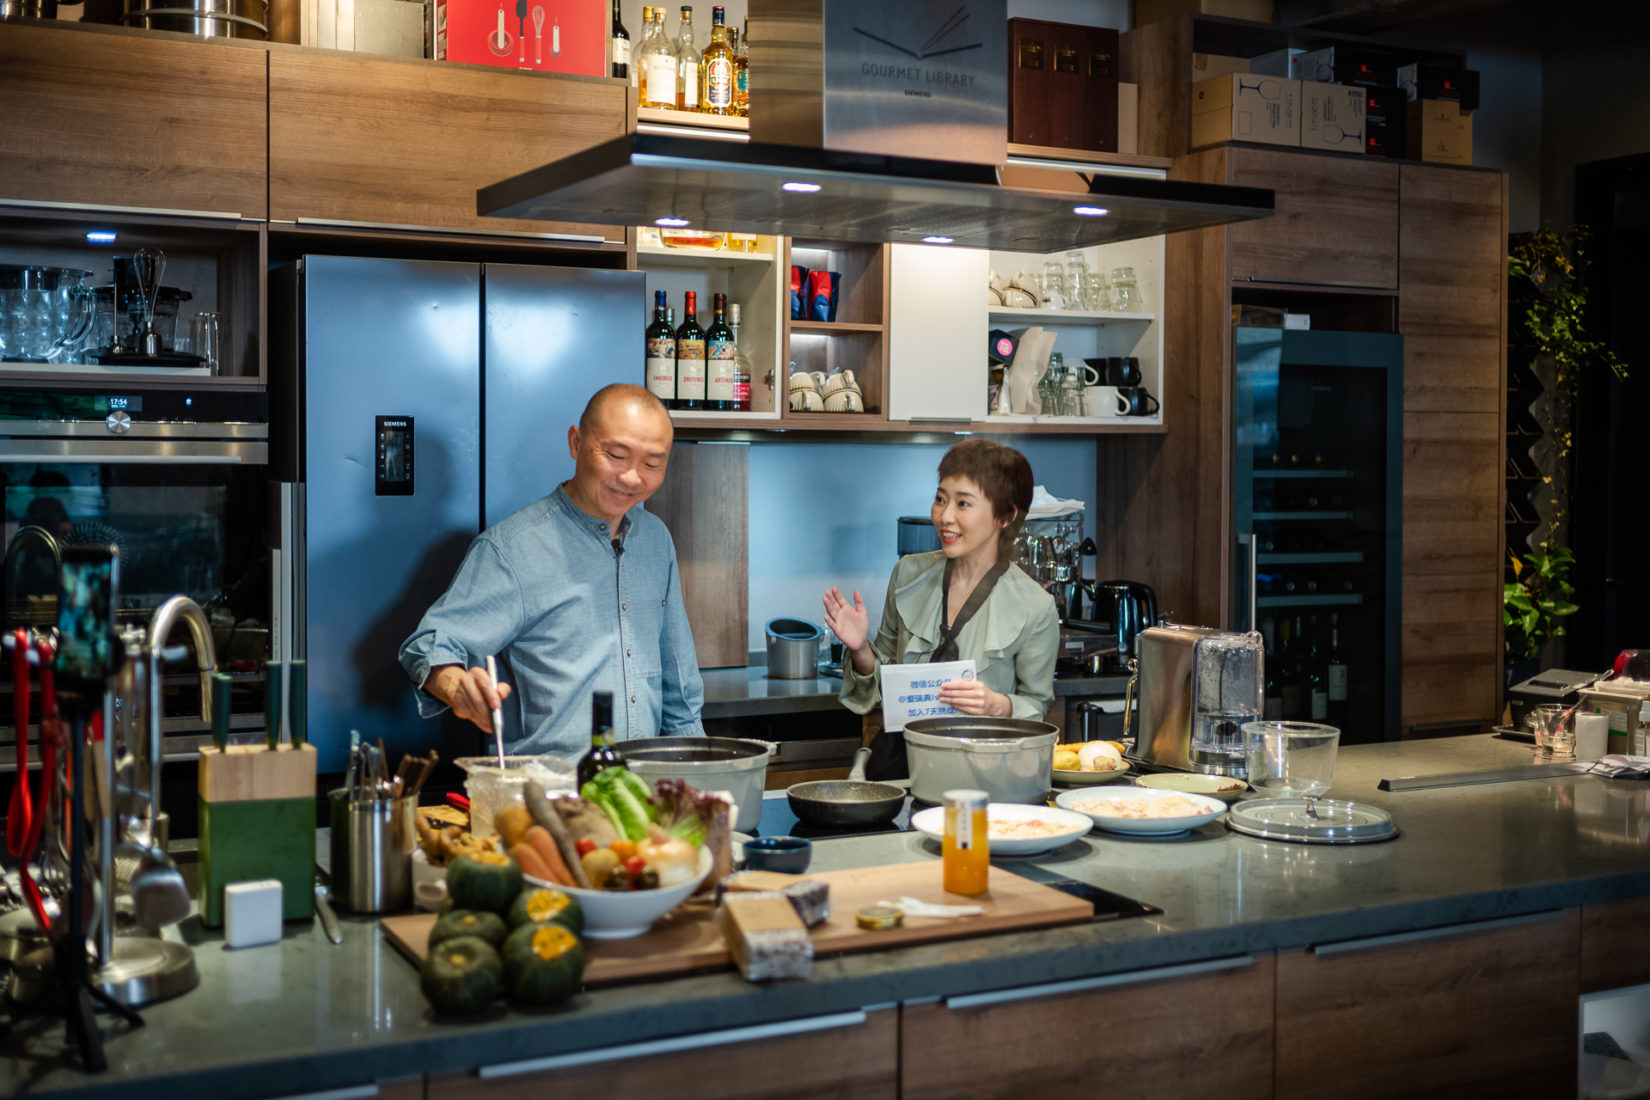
(1141, 402)
(1113, 370)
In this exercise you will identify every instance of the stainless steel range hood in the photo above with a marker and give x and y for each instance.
(873, 121)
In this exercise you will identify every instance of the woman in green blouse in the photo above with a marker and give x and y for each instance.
(966, 600)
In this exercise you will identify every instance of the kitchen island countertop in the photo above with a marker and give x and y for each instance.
(746, 692)
(308, 1016)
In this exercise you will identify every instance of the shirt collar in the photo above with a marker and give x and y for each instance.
(595, 526)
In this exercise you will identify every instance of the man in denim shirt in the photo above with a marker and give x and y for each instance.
(576, 593)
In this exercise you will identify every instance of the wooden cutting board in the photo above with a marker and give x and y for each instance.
(688, 938)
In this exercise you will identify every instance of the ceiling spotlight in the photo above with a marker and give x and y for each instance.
(936, 240)
(797, 185)
(670, 223)
(100, 236)
(1090, 211)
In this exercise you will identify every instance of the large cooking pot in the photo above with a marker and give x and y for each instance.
(1127, 608)
(1011, 759)
(738, 765)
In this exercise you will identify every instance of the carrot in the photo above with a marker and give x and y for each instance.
(545, 845)
(528, 859)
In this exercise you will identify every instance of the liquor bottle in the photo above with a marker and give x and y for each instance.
(661, 354)
(657, 62)
(687, 64)
(1317, 680)
(620, 64)
(1336, 675)
(1289, 689)
(741, 365)
(637, 49)
(602, 754)
(716, 83)
(742, 72)
(1273, 706)
(720, 385)
(690, 358)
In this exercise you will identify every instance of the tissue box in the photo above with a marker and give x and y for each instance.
(536, 35)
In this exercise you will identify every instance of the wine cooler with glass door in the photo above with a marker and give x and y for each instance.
(1317, 510)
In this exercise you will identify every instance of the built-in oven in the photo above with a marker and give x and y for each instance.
(177, 480)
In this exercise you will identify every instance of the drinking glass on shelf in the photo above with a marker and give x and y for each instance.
(1054, 285)
(1125, 292)
(1079, 283)
(210, 333)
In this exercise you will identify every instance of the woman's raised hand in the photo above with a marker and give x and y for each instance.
(848, 621)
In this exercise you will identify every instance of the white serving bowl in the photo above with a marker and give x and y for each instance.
(620, 914)
(1091, 803)
(931, 823)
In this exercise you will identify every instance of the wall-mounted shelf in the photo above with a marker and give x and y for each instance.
(1067, 316)
(660, 256)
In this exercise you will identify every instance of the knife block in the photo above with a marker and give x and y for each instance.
(257, 821)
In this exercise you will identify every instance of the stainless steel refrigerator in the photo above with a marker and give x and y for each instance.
(1318, 510)
(415, 403)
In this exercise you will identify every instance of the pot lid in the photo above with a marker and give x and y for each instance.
(1298, 820)
(800, 191)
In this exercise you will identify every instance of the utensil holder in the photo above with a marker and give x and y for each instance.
(372, 846)
(257, 821)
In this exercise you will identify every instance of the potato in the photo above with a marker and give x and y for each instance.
(1067, 760)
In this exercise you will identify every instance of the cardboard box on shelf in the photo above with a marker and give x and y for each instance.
(1149, 11)
(1276, 63)
(1206, 65)
(1242, 107)
(568, 37)
(1439, 131)
(1332, 117)
(1426, 81)
(1345, 65)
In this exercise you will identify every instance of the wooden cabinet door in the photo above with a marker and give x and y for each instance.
(1615, 951)
(101, 117)
(852, 1054)
(1452, 312)
(385, 142)
(936, 368)
(1478, 1011)
(1203, 1030)
(1336, 221)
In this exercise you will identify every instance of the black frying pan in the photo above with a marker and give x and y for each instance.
(851, 801)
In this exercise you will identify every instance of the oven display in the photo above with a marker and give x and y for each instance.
(129, 404)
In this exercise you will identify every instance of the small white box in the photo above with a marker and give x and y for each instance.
(1277, 63)
(252, 913)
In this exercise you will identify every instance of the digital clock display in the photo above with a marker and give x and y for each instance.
(123, 404)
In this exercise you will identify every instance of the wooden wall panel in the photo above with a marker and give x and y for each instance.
(704, 501)
(105, 118)
(382, 141)
(1615, 952)
(1452, 312)
(1156, 57)
(1336, 222)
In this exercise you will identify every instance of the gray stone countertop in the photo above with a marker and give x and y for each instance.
(308, 1016)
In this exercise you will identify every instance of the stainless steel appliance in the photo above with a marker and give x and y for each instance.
(793, 648)
(1123, 609)
(421, 402)
(1318, 511)
(1163, 683)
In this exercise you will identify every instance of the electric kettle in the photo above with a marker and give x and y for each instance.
(1126, 608)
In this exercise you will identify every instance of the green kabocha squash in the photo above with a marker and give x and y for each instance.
(538, 904)
(461, 976)
(543, 963)
(468, 922)
(483, 881)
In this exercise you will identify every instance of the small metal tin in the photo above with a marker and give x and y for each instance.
(879, 917)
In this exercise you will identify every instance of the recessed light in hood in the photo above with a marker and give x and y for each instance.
(829, 194)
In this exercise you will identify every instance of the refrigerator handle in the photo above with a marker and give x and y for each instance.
(1253, 544)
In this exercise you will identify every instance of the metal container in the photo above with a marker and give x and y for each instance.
(372, 846)
(27, 9)
(1164, 674)
(793, 649)
(738, 765)
(207, 18)
(1011, 759)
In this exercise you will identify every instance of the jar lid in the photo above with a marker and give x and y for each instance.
(879, 917)
(966, 798)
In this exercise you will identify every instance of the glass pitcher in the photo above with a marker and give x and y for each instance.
(1228, 689)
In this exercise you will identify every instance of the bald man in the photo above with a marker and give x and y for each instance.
(576, 593)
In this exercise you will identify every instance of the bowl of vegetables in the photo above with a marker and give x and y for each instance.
(629, 851)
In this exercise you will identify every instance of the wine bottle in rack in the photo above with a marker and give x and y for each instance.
(720, 383)
(661, 354)
(741, 365)
(1335, 676)
(620, 51)
(717, 82)
(690, 358)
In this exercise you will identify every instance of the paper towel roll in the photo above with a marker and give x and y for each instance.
(1592, 736)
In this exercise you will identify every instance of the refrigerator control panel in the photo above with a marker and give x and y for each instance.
(394, 436)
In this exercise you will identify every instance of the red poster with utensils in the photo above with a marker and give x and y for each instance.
(551, 36)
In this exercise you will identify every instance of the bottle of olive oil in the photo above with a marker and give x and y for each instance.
(602, 754)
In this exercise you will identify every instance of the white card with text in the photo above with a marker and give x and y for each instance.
(910, 692)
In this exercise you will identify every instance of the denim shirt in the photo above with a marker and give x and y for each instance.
(568, 615)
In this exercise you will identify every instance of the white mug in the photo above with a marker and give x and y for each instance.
(1105, 402)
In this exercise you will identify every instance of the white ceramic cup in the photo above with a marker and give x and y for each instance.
(1104, 402)
(845, 400)
(806, 401)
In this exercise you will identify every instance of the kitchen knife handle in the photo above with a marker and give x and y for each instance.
(272, 703)
(297, 677)
(220, 710)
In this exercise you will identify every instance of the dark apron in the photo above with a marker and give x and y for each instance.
(888, 760)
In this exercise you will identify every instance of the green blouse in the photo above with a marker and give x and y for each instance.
(1012, 639)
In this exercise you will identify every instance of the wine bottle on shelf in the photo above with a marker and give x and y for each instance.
(620, 57)
(1318, 678)
(720, 384)
(602, 753)
(1335, 676)
(661, 354)
(657, 61)
(1272, 705)
(690, 358)
(716, 85)
(688, 63)
(741, 365)
(1300, 671)
(1289, 690)
(742, 72)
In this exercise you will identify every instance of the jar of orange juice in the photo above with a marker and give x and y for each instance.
(966, 851)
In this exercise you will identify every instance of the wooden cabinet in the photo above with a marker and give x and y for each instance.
(856, 340)
(1336, 222)
(391, 143)
(1488, 1010)
(1204, 1029)
(98, 117)
(936, 340)
(852, 1054)
(1615, 944)
(1452, 311)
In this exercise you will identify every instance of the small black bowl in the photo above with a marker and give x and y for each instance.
(787, 854)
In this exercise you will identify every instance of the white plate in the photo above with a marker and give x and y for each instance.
(1222, 787)
(620, 914)
(931, 823)
(1077, 798)
(1073, 778)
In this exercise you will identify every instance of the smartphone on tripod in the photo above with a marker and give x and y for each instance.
(87, 649)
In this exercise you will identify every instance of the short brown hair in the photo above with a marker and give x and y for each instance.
(1003, 475)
